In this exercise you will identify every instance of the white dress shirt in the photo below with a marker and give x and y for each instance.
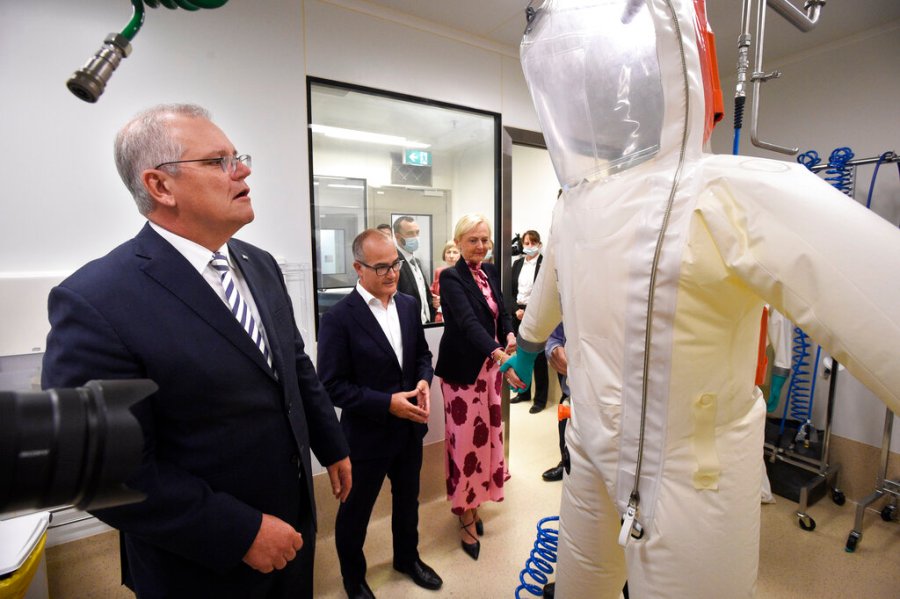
(199, 257)
(526, 280)
(387, 318)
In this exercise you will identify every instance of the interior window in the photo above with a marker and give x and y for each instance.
(378, 157)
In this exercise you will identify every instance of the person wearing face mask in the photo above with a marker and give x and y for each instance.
(524, 272)
(412, 275)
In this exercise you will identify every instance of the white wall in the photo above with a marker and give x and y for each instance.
(247, 62)
(64, 202)
(843, 94)
(534, 189)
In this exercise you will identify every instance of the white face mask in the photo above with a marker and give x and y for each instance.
(531, 251)
(411, 244)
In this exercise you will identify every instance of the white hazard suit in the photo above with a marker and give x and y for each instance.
(659, 261)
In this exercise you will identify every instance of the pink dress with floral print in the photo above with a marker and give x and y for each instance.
(475, 467)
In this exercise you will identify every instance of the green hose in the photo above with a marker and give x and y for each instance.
(137, 18)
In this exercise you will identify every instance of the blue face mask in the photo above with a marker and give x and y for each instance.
(489, 255)
(531, 251)
(411, 244)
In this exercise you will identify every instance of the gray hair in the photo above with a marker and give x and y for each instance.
(360, 240)
(144, 142)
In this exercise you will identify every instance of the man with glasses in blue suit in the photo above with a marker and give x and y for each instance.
(229, 508)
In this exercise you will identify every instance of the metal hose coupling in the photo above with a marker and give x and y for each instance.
(88, 82)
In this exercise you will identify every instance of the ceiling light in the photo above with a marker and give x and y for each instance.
(366, 136)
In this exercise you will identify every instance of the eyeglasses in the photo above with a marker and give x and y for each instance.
(383, 269)
(227, 163)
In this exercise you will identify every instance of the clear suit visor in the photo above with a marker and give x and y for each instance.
(594, 77)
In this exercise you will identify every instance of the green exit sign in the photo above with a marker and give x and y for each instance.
(417, 157)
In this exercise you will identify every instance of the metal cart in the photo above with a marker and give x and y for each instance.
(883, 487)
(825, 473)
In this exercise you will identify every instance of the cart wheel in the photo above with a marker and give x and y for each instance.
(838, 497)
(852, 540)
(889, 513)
(807, 523)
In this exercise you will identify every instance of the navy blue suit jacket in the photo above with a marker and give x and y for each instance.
(469, 326)
(360, 370)
(225, 440)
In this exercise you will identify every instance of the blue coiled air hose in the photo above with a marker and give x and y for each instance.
(839, 174)
(809, 159)
(802, 387)
(88, 82)
(738, 124)
(540, 560)
(881, 160)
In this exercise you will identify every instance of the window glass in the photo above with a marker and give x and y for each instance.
(379, 157)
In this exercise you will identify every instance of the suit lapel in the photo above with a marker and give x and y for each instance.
(165, 265)
(469, 284)
(409, 320)
(362, 314)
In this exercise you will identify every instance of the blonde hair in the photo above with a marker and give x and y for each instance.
(469, 222)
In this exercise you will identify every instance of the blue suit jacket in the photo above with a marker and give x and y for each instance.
(225, 440)
(360, 370)
(471, 332)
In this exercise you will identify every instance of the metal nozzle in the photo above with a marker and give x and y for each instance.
(88, 82)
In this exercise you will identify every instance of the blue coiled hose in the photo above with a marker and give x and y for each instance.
(541, 559)
(738, 123)
(802, 387)
(881, 160)
(809, 159)
(839, 174)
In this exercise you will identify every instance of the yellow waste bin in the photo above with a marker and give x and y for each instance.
(23, 572)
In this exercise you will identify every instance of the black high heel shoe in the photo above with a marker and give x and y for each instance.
(479, 525)
(472, 549)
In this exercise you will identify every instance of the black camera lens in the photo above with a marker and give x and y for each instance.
(70, 446)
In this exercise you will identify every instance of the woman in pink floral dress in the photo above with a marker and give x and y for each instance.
(477, 339)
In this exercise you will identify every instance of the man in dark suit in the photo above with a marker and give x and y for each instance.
(524, 273)
(229, 508)
(413, 278)
(376, 365)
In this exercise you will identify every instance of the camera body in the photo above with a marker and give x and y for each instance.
(516, 248)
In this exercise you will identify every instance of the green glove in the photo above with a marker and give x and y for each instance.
(775, 392)
(522, 363)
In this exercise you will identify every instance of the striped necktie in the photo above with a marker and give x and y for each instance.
(239, 307)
